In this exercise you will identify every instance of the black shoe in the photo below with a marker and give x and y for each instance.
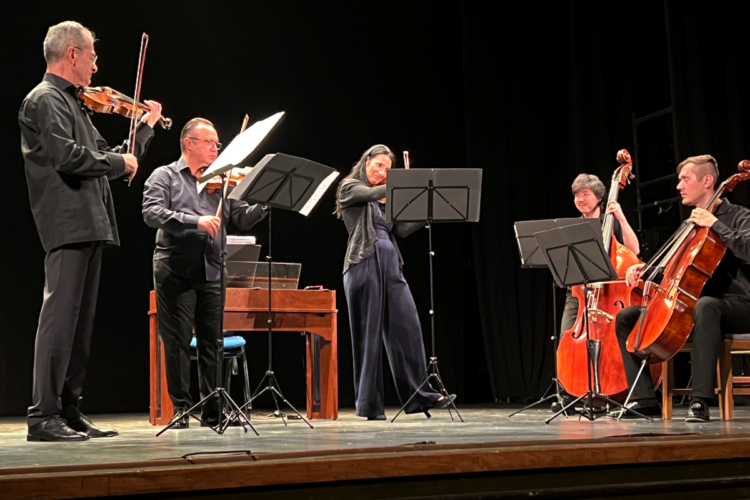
(213, 420)
(645, 408)
(698, 412)
(378, 417)
(82, 423)
(184, 421)
(444, 402)
(54, 429)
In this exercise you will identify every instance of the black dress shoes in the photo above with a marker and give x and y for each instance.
(83, 424)
(698, 412)
(184, 421)
(647, 408)
(54, 429)
(444, 402)
(377, 417)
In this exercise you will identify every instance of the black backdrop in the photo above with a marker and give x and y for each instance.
(531, 94)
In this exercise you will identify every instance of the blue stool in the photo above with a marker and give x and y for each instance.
(234, 347)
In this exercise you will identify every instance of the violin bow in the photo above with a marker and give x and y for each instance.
(226, 181)
(137, 98)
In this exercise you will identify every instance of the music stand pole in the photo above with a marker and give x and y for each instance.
(272, 385)
(555, 343)
(432, 367)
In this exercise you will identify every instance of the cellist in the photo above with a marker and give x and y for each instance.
(588, 193)
(724, 305)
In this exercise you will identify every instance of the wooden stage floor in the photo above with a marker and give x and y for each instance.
(410, 455)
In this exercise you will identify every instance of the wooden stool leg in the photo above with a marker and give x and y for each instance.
(667, 386)
(724, 376)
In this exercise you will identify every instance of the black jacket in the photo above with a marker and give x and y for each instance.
(357, 203)
(68, 166)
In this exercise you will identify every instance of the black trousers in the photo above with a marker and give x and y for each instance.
(66, 324)
(182, 306)
(382, 310)
(712, 317)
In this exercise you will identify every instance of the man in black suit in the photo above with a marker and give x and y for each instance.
(68, 168)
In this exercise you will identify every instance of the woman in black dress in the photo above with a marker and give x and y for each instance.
(379, 299)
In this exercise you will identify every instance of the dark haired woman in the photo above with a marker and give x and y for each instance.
(379, 299)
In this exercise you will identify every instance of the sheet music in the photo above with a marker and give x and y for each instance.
(318, 194)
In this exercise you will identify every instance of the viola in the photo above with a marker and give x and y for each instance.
(685, 262)
(236, 175)
(603, 301)
(110, 101)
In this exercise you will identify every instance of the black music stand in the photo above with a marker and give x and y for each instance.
(433, 195)
(532, 258)
(576, 256)
(289, 183)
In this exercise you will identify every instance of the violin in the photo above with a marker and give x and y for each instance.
(406, 166)
(685, 262)
(110, 101)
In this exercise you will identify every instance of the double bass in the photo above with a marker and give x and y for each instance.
(603, 301)
(685, 262)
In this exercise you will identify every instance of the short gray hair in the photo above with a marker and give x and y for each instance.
(190, 125)
(588, 181)
(61, 36)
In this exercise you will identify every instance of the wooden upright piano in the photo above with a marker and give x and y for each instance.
(310, 311)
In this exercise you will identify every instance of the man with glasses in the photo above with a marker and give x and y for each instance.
(68, 168)
(187, 262)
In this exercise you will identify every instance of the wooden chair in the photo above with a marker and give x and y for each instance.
(729, 385)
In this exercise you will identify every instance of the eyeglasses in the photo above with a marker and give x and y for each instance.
(217, 145)
(95, 56)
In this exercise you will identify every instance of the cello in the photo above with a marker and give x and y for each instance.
(685, 262)
(603, 302)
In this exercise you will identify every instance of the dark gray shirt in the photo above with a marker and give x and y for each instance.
(172, 204)
(357, 204)
(68, 165)
(733, 229)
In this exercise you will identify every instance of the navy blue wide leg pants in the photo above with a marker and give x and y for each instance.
(381, 306)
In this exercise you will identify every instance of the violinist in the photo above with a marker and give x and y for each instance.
(187, 262)
(380, 303)
(724, 305)
(68, 167)
(588, 193)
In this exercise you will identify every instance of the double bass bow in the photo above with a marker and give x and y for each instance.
(685, 263)
(603, 301)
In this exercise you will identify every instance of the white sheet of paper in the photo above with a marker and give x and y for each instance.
(240, 148)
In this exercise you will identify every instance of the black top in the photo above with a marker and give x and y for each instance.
(172, 204)
(68, 165)
(358, 202)
(733, 229)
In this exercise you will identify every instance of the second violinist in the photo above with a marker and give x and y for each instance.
(187, 261)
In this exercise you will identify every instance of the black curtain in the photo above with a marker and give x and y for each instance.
(708, 59)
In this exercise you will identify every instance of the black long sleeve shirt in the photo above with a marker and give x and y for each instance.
(68, 166)
(172, 204)
(732, 276)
